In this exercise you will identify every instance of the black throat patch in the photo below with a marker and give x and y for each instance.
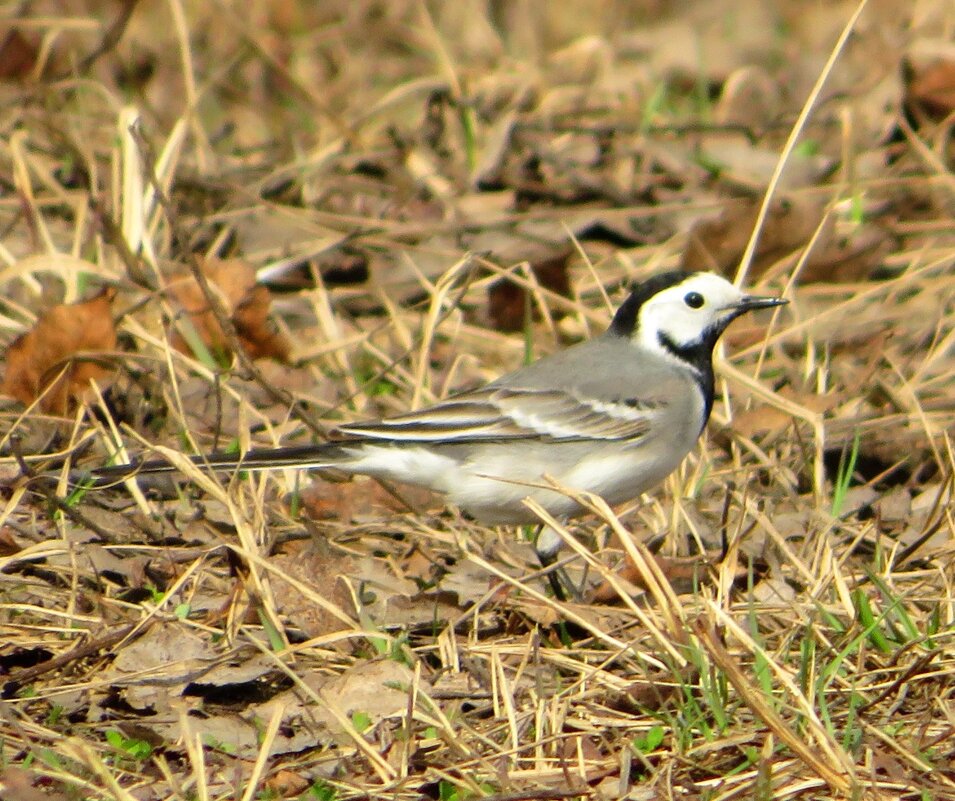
(699, 357)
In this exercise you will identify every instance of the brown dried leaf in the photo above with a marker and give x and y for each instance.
(246, 302)
(716, 243)
(170, 649)
(507, 301)
(425, 609)
(57, 358)
(751, 166)
(749, 98)
(375, 687)
(934, 88)
(286, 783)
(319, 566)
(844, 260)
(348, 501)
(25, 785)
(766, 420)
(681, 571)
(18, 56)
(8, 542)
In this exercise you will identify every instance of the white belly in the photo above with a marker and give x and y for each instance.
(494, 481)
(495, 493)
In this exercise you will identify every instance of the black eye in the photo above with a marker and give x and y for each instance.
(694, 300)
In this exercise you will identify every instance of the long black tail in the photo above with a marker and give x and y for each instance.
(305, 456)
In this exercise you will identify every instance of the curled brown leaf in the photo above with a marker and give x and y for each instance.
(59, 357)
(246, 302)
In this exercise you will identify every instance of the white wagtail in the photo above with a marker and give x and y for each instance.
(613, 416)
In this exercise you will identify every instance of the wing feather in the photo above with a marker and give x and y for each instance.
(511, 413)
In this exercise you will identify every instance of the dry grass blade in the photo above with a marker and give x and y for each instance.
(794, 134)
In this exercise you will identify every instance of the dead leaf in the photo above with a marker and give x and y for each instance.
(170, 649)
(717, 243)
(651, 693)
(541, 614)
(168, 655)
(894, 507)
(933, 88)
(8, 542)
(117, 567)
(246, 302)
(507, 301)
(286, 783)
(62, 353)
(348, 501)
(320, 567)
(769, 421)
(18, 56)
(23, 785)
(580, 746)
(237, 670)
(426, 609)
(846, 259)
(749, 98)
(378, 688)
(751, 166)
(684, 572)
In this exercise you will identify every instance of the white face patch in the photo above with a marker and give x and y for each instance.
(684, 312)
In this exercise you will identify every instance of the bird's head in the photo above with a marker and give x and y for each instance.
(678, 311)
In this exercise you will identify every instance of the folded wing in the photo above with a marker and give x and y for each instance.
(508, 413)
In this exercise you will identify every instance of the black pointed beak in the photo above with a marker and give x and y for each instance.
(753, 302)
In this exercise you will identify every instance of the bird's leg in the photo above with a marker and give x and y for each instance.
(547, 545)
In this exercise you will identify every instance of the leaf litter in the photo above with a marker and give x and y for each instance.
(382, 206)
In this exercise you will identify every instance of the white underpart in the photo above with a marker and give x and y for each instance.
(491, 489)
(406, 464)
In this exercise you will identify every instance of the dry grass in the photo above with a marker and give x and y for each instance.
(792, 634)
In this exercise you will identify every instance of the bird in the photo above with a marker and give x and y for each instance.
(613, 415)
